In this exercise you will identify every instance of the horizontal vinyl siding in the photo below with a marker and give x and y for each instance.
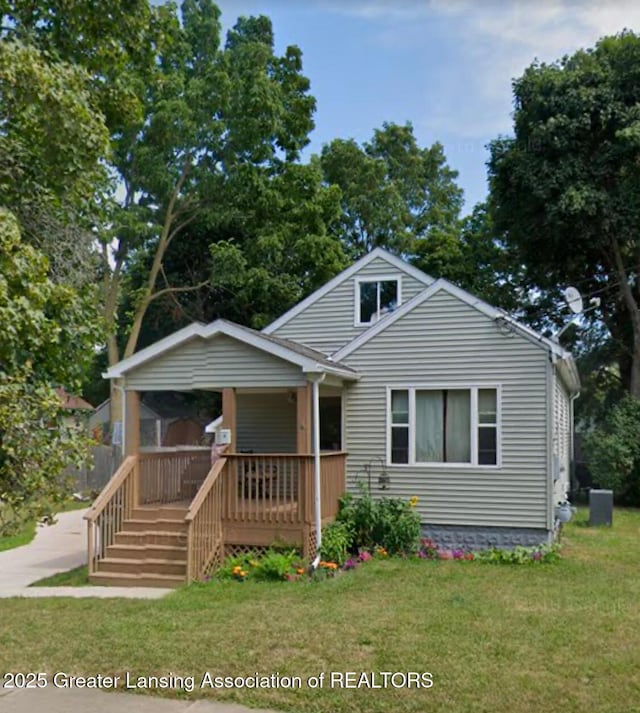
(327, 325)
(214, 364)
(266, 423)
(444, 341)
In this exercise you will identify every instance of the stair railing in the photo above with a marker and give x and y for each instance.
(204, 520)
(111, 508)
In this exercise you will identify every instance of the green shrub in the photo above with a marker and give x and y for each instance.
(391, 523)
(519, 555)
(359, 515)
(275, 565)
(613, 451)
(397, 526)
(336, 542)
(234, 567)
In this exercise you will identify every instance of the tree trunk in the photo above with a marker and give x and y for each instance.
(634, 316)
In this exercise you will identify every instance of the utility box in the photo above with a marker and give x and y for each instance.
(600, 507)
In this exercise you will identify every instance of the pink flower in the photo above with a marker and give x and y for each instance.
(445, 554)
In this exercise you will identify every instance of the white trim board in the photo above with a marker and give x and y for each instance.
(242, 334)
(394, 261)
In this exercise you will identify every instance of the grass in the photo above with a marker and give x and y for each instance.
(77, 577)
(23, 537)
(505, 639)
(28, 531)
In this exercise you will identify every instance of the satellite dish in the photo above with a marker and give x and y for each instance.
(573, 299)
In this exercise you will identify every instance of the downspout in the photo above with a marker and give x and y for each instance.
(124, 418)
(316, 466)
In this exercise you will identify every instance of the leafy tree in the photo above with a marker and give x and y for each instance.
(264, 252)
(485, 264)
(52, 145)
(395, 195)
(565, 190)
(46, 340)
(613, 450)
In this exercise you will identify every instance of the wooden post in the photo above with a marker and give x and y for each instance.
(132, 417)
(303, 419)
(229, 416)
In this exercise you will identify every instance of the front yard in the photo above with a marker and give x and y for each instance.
(496, 638)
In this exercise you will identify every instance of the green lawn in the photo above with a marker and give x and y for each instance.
(23, 537)
(28, 532)
(77, 577)
(497, 638)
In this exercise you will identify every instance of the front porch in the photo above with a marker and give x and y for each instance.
(166, 518)
(279, 477)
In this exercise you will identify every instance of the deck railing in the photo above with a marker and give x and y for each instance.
(168, 476)
(111, 508)
(204, 519)
(332, 482)
(278, 487)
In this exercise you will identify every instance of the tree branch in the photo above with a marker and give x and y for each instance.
(175, 290)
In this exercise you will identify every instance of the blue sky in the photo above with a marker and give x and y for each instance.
(445, 66)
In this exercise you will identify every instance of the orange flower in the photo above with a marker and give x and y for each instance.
(300, 570)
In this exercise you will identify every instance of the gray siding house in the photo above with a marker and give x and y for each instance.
(384, 376)
(461, 406)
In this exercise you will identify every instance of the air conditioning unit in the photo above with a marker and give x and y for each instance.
(600, 507)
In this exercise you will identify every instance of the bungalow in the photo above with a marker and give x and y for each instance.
(383, 376)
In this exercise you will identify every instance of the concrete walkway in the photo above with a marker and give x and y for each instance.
(55, 700)
(58, 548)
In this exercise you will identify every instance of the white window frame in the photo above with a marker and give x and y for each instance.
(473, 388)
(373, 278)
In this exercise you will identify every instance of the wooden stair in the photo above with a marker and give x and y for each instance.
(149, 551)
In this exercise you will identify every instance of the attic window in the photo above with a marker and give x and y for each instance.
(375, 298)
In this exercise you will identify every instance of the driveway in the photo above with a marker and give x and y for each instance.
(57, 548)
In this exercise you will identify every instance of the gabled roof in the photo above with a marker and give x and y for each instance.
(483, 307)
(394, 261)
(308, 359)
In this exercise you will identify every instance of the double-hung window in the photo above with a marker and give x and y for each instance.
(444, 425)
(376, 297)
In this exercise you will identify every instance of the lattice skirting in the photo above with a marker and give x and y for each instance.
(216, 560)
(231, 550)
(310, 543)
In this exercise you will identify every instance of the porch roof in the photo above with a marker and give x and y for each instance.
(309, 360)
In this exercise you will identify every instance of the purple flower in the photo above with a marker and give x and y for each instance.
(536, 555)
(349, 564)
(458, 554)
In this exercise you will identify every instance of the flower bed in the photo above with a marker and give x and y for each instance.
(366, 529)
(540, 554)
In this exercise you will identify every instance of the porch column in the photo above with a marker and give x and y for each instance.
(131, 426)
(303, 419)
(229, 416)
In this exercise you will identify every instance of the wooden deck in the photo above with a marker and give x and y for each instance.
(169, 517)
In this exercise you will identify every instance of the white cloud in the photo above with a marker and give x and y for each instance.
(497, 41)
